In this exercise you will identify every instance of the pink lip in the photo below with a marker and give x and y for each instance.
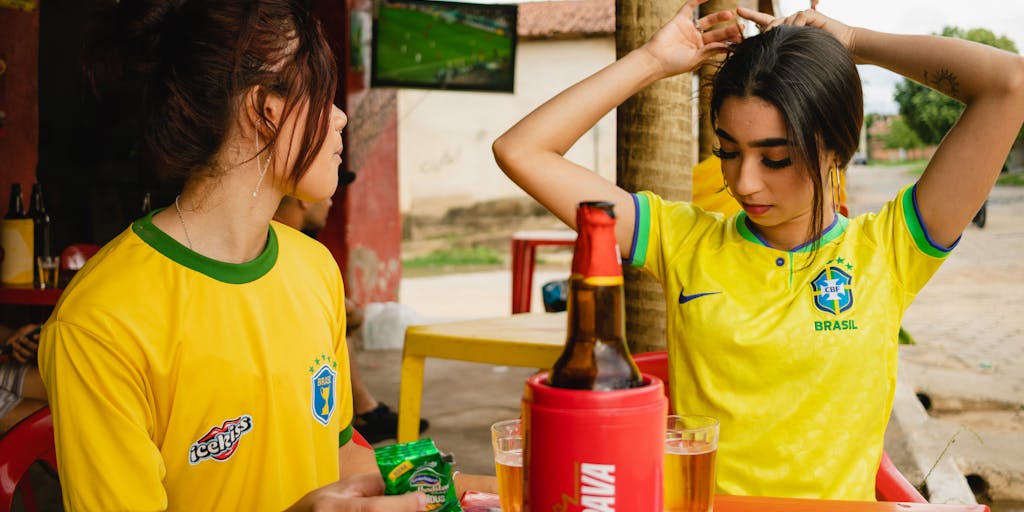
(756, 209)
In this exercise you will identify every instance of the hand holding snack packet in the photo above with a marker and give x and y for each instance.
(418, 466)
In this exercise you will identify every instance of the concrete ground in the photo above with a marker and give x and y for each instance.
(968, 325)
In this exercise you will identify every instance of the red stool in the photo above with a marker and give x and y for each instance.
(28, 441)
(524, 249)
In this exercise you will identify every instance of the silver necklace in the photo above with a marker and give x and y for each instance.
(177, 208)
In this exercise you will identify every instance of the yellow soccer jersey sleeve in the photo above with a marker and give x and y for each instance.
(182, 383)
(795, 352)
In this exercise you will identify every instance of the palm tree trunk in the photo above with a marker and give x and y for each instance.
(658, 134)
(656, 149)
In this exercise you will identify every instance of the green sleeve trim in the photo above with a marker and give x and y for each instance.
(641, 230)
(231, 273)
(912, 218)
(345, 436)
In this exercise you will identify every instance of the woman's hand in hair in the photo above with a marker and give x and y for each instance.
(808, 18)
(682, 45)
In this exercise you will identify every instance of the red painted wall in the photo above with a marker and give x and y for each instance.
(364, 230)
(374, 265)
(19, 98)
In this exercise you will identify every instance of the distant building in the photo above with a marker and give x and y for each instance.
(876, 134)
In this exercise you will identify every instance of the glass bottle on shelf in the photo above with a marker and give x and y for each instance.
(41, 225)
(16, 237)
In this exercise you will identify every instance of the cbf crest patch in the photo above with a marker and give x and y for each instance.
(324, 380)
(833, 292)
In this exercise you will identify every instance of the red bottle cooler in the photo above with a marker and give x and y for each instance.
(593, 450)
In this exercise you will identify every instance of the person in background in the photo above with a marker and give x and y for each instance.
(783, 319)
(199, 362)
(373, 419)
(19, 377)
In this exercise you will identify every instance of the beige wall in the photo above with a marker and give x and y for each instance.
(444, 137)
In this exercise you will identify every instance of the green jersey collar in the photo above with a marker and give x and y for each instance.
(231, 273)
(745, 227)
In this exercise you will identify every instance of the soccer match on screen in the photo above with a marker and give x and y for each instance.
(445, 45)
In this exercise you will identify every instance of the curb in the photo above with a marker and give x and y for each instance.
(915, 446)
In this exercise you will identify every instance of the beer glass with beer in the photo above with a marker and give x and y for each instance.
(690, 446)
(49, 271)
(507, 441)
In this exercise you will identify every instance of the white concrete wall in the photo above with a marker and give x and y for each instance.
(444, 137)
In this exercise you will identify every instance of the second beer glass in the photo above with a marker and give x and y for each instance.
(691, 443)
(507, 442)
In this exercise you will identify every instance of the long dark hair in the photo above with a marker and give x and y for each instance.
(810, 77)
(196, 59)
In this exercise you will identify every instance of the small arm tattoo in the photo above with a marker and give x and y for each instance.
(943, 81)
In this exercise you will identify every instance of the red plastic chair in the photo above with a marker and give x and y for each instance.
(29, 441)
(73, 257)
(890, 484)
(360, 440)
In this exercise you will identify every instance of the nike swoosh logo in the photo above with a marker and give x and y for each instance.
(683, 299)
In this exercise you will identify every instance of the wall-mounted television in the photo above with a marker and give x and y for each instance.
(444, 45)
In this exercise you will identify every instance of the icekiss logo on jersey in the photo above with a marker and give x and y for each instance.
(220, 442)
(832, 290)
(324, 381)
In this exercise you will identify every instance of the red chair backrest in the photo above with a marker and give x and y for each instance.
(29, 441)
(73, 256)
(890, 484)
(656, 364)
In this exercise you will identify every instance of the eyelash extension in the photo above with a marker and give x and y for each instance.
(724, 155)
(777, 164)
(771, 164)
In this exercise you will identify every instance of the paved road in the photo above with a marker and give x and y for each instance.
(968, 323)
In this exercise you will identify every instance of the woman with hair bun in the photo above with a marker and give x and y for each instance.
(783, 318)
(198, 361)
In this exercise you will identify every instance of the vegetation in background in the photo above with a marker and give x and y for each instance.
(455, 257)
(901, 135)
(931, 114)
(1011, 179)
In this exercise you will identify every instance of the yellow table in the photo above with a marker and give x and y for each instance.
(532, 340)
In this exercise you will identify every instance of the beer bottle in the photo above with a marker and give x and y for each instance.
(147, 204)
(40, 220)
(16, 234)
(41, 227)
(15, 208)
(596, 356)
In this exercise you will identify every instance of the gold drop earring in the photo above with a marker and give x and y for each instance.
(262, 169)
(725, 186)
(833, 178)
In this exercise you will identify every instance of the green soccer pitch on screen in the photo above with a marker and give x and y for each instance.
(444, 45)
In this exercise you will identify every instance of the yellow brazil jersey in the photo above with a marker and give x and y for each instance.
(794, 352)
(184, 383)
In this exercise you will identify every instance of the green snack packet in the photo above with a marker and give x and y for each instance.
(418, 466)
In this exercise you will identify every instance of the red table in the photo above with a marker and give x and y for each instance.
(760, 504)
(29, 296)
(524, 249)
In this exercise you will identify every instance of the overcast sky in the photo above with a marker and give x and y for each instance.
(1004, 17)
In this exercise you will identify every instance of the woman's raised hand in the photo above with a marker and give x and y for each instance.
(808, 18)
(684, 44)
